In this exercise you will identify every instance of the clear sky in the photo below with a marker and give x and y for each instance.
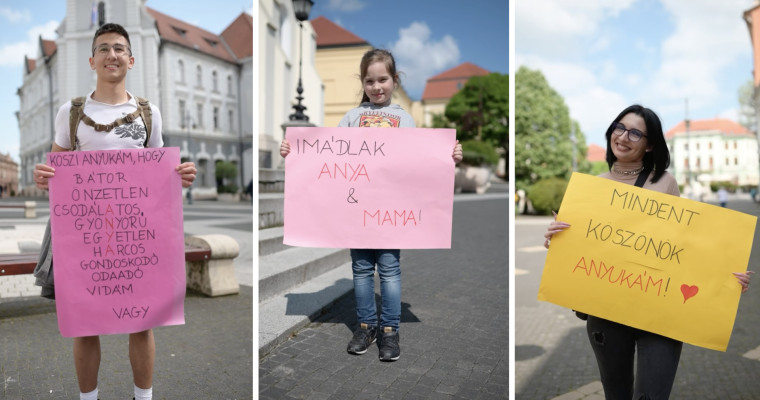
(602, 56)
(425, 36)
(23, 21)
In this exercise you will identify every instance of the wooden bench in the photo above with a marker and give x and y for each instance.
(30, 208)
(21, 264)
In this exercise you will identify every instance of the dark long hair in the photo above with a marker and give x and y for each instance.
(657, 159)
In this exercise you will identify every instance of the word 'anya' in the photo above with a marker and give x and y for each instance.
(607, 273)
(393, 217)
(339, 147)
(349, 172)
(661, 249)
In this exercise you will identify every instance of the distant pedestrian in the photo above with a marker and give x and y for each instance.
(377, 72)
(722, 196)
(637, 154)
(111, 60)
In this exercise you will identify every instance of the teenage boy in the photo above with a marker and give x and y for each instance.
(110, 103)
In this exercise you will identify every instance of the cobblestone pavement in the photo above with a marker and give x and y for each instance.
(553, 359)
(210, 357)
(454, 336)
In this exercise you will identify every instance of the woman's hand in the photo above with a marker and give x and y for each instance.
(554, 227)
(457, 154)
(43, 172)
(284, 148)
(743, 278)
(187, 171)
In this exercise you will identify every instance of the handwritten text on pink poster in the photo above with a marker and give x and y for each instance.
(369, 187)
(118, 244)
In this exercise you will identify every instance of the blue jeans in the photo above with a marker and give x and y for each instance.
(389, 268)
(614, 346)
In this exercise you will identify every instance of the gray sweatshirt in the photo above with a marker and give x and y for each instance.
(368, 115)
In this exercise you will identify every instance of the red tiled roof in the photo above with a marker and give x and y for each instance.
(596, 153)
(239, 36)
(329, 34)
(725, 126)
(191, 36)
(31, 64)
(447, 83)
(48, 47)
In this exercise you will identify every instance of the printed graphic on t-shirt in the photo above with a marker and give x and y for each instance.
(379, 120)
(135, 131)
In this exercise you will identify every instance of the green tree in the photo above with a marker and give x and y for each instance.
(543, 148)
(747, 106)
(480, 111)
(225, 171)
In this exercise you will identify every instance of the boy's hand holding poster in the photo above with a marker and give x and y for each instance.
(369, 188)
(118, 242)
(648, 260)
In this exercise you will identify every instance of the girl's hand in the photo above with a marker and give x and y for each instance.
(554, 227)
(457, 155)
(284, 148)
(743, 278)
(43, 172)
(187, 171)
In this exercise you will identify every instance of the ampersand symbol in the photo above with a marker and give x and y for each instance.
(351, 198)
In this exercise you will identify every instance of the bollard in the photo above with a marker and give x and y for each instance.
(30, 209)
(216, 276)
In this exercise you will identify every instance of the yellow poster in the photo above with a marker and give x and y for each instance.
(649, 260)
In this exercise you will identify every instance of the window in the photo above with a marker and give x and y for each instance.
(686, 163)
(181, 67)
(229, 85)
(697, 149)
(199, 76)
(182, 114)
(215, 81)
(200, 114)
(711, 162)
(709, 145)
(101, 13)
(734, 145)
(231, 121)
(686, 146)
(736, 160)
(216, 118)
(726, 149)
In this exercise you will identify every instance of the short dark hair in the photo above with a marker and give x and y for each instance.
(111, 28)
(657, 159)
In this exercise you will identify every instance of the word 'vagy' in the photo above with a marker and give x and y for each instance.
(131, 313)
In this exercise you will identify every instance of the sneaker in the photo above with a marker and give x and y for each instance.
(389, 348)
(363, 337)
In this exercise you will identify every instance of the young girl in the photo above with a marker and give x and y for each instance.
(378, 74)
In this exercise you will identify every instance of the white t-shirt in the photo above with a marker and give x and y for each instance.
(127, 136)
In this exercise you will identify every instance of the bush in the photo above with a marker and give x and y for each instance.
(546, 195)
(477, 153)
(231, 188)
(714, 186)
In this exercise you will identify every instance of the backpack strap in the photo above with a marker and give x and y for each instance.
(75, 115)
(641, 180)
(147, 116)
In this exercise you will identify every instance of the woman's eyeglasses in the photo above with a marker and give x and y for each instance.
(634, 135)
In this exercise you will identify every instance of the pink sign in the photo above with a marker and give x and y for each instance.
(118, 242)
(369, 188)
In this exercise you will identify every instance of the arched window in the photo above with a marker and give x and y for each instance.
(199, 76)
(215, 81)
(229, 85)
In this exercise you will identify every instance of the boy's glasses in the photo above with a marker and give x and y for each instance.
(634, 135)
(118, 49)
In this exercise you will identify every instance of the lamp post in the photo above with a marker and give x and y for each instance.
(189, 156)
(302, 9)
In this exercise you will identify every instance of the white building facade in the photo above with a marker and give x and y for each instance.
(279, 47)
(716, 150)
(175, 63)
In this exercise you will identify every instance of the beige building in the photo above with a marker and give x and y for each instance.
(8, 176)
(339, 53)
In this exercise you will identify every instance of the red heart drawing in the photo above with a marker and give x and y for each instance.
(688, 291)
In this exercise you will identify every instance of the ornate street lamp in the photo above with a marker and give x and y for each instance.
(302, 9)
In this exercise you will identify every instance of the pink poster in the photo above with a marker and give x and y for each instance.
(118, 241)
(369, 188)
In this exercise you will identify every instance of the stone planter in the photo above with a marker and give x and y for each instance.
(227, 197)
(471, 179)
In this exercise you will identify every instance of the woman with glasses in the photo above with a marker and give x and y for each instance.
(635, 146)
